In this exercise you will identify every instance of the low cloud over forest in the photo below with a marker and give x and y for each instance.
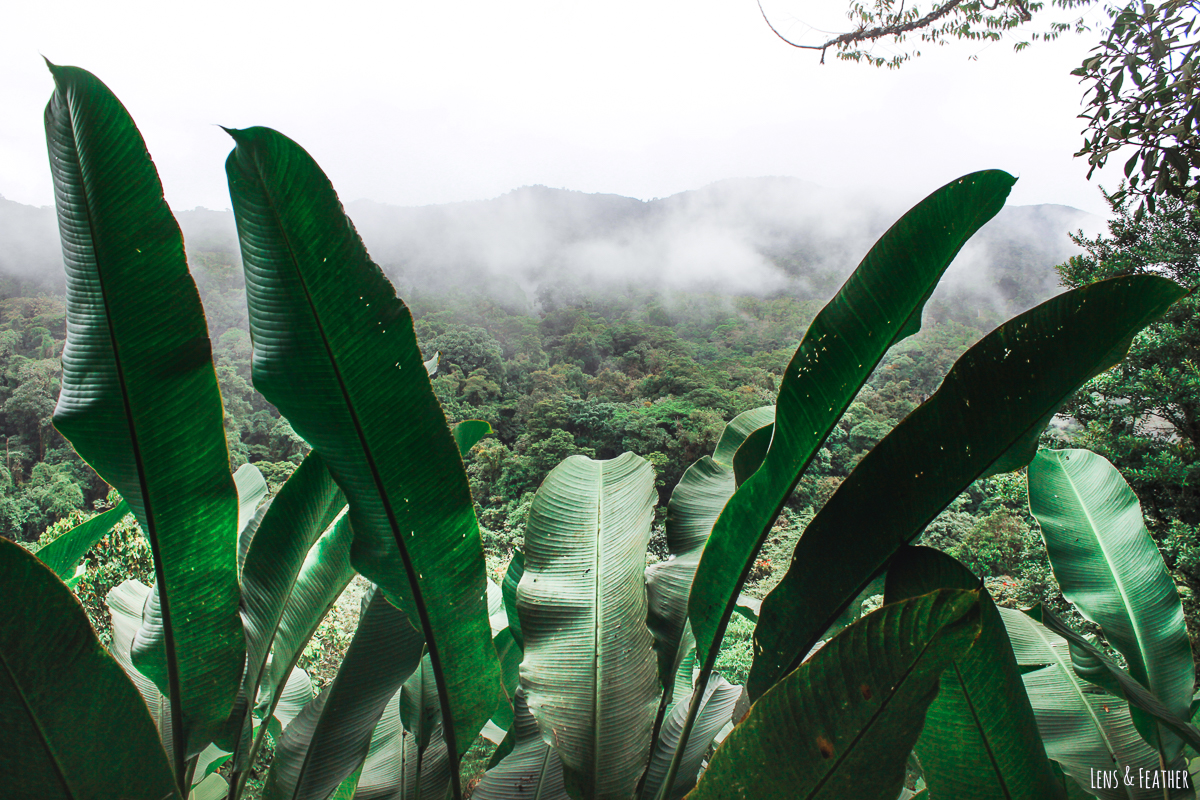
(536, 246)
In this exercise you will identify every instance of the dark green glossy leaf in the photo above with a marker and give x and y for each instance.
(468, 433)
(844, 723)
(715, 710)
(298, 515)
(980, 740)
(531, 771)
(1072, 789)
(993, 403)
(63, 555)
(696, 503)
(139, 397)
(512, 578)
(328, 741)
(750, 455)
(56, 740)
(879, 304)
(334, 349)
(323, 576)
(737, 431)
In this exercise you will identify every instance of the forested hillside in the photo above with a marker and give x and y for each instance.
(573, 323)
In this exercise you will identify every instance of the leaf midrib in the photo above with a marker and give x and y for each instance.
(37, 723)
(1069, 673)
(448, 732)
(175, 687)
(874, 718)
(983, 738)
(1118, 581)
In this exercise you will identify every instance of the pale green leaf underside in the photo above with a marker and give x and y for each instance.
(1111, 570)
(589, 674)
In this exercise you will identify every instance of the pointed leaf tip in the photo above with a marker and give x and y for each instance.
(237, 134)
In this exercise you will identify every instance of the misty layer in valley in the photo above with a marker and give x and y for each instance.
(537, 248)
(572, 323)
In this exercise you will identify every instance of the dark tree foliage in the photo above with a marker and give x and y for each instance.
(1143, 94)
(1144, 415)
(898, 22)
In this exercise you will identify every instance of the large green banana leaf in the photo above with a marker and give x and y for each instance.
(408, 759)
(716, 706)
(125, 603)
(283, 540)
(985, 418)
(63, 555)
(844, 723)
(1110, 569)
(508, 589)
(879, 304)
(734, 435)
(56, 740)
(1084, 728)
(139, 397)
(532, 771)
(323, 576)
(334, 349)
(980, 740)
(297, 693)
(590, 674)
(695, 504)
(252, 490)
(397, 769)
(328, 741)
(426, 766)
(1094, 665)
(510, 659)
(213, 787)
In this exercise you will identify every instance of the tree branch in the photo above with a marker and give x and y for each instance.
(873, 33)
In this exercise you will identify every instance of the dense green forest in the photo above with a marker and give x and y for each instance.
(594, 369)
(604, 369)
(595, 375)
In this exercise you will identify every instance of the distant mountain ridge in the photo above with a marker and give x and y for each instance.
(759, 236)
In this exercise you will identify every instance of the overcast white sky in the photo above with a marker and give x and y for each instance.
(429, 102)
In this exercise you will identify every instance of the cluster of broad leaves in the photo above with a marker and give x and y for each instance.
(593, 673)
